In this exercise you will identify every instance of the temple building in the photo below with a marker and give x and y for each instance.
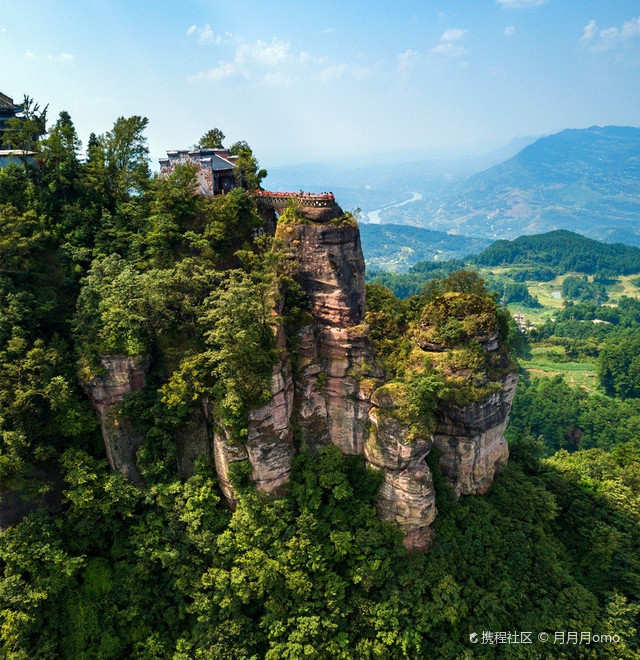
(214, 168)
(215, 176)
(8, 109)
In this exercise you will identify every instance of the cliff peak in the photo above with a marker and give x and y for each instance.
(439, 379)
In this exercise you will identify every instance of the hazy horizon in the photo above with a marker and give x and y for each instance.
(334, 81)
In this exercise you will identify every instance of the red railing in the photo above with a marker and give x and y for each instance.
(303, 198)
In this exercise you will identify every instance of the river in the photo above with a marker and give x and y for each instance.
(374, 216)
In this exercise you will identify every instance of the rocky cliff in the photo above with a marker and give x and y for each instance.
(331, 388)
(119, 375)
(470, 439)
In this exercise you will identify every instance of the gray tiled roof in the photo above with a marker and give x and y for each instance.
(217, 163)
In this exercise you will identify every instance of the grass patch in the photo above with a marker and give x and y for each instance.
(578, 374)
(625, 287)
(544, 292)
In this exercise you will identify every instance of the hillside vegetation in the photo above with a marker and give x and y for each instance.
(397, 247)
(100, 256)
(528, 261)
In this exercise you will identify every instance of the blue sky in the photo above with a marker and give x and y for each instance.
(304, 81)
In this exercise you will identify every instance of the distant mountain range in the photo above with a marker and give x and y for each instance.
(375, 181)
(583, 180)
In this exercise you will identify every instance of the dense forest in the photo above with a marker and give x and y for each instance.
(562, 251)
(97, 255)
(540, 257)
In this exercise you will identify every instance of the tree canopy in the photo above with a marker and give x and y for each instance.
(99, 257)
(212, 139)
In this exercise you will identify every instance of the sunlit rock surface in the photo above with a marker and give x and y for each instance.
(331, 391)
(470, 439)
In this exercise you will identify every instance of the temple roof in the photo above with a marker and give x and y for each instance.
(217, 163)
(217, 160)
(7, 104)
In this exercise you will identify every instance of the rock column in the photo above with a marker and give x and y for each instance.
(122, 375)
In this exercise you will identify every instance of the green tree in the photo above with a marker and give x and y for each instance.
(240, 350)
(212, 139)
(121, 310)
(61, 164)
(237, 147)
(247, 170)
(126, 158)
(619, 367)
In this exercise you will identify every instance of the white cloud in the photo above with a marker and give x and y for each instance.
(407, 60)
(520, 3)
(307, 58)
(449, 51)
(343, 70)
(334, 72)
(62, 57)
(272, 64)
(610, 38)
(205, 35)
(266, 54)
(359, 71)
(510, 30)
(448, 47)
(453, 34)
(631, 28)
(218, 73)
(275, 80)
(248, 59)
(590, 31)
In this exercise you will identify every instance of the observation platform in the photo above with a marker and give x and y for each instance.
(319, 207)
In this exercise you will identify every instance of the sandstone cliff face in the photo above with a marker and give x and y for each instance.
(269, 445)
(332, 392)
(323, 399)
(122, 375)
(341, 397)
(406, 496)
(269, 442)
(470, 439)
(335, 355)
(338, 379)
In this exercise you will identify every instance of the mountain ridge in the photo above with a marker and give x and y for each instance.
(571, 180)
